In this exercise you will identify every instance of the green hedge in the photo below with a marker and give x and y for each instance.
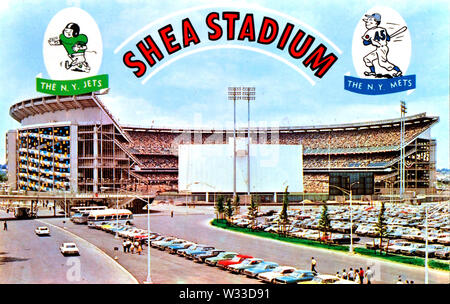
(418, 261)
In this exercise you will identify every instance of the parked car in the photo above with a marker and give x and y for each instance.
(246, 264)
(161, 245)
(220, 257)
(327, 279)
(411, 249)
(165, 240)
(295, 277)
(200, 258)
(175, 247)
(398, 246)
(269, 277)
(443, 253)
(42, 231)
(235, 260)
(181, 252)
(69, 248)
(189, 254)
(343, 238)
(421, 250)
(154, 239)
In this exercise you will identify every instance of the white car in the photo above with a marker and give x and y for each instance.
(397, 247)
(277, 272)
(69, 248)
(42, 231)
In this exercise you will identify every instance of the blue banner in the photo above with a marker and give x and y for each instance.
(379, 86)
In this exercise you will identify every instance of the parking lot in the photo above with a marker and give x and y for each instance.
(405, 226)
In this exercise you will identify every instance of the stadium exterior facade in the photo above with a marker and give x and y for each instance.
(74, 144)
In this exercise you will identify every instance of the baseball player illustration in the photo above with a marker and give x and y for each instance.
(379, 37)
(75, 45)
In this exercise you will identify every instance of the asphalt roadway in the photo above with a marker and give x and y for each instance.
(26, 258)
(187, 223)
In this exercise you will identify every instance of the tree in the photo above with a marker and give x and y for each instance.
(236, 204)
(3, 177)
(324, 222)
(229, 209)
(220, 206)
(284, 219)
(253, 209)
(381, 227)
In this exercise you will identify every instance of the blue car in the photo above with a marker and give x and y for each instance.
(260, 268)
(192, 247)
(175, 247)
(200, 257)
(198, 250)
(164, 244)
(295, 277)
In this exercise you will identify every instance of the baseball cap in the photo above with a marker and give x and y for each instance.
(376, 16)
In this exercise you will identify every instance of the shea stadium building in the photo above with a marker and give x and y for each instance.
(74, 144)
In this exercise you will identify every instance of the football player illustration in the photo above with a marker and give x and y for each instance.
(379, 37)
(75, 46)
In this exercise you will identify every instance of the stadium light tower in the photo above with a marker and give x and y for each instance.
(234, 93)
(402, 148)
(248, 93)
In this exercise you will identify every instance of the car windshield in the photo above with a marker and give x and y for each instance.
(236, 259)
(70, 246)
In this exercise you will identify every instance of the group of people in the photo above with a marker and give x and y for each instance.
(131, 247)
(345, 161)
(356, 275)
(159, 162)
(167, 142)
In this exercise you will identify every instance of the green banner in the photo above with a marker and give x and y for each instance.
(72, 87)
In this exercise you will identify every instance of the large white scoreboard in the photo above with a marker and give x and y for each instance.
(209, 168)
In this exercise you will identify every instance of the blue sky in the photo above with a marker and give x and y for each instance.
(193, 90)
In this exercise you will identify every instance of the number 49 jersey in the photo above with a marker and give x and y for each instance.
(377, 34)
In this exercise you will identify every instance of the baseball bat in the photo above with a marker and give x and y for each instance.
(401, 30)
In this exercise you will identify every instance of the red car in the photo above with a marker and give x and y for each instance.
(236, 260)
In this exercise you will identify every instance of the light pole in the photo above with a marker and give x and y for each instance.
(149, 278)
(349, 193)
(248, 93)
(402, 148)
(234, 93)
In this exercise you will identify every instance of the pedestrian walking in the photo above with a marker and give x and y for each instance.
(171, 213)
(128, 245)
(351, 274)
(361, 275)
(337, 274)
(313, 265)
(132, 248)
(357, 278)
(344, 275)
(5, 226)
(369, 275)
(124, 245)
(139, 249)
